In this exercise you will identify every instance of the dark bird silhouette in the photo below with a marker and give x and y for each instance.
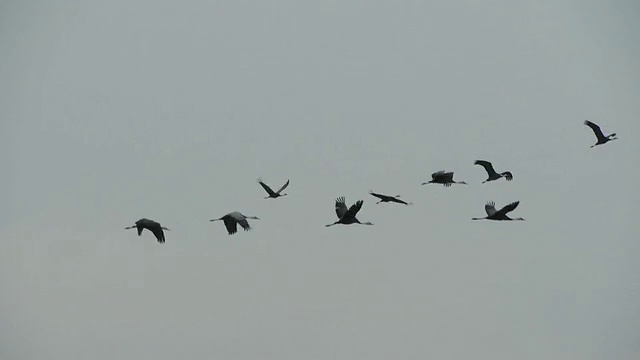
(493, 175)
(443, 177)
(493, 214)
(150, 225)
(273, 194)
(387, 198)
(232, 219)
(347, 216)
(602, 139)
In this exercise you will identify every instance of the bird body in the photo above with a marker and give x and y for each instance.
(443, 177)
(602, 139)
(232, 219)
(493, 214)
(273, 194)
(347, 216)
(150, 225)
(493, 175)
(387, 198)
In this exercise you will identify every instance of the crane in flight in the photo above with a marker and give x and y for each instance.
(232, 219)
(493, 175)
(387, 198)
(443, 177)
(273, 194)
(347, 216)
(602, 139)
(150, 225)
(493, 214)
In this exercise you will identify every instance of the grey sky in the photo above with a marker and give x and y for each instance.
(118, 110)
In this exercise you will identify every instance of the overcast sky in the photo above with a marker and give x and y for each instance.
(114, 111)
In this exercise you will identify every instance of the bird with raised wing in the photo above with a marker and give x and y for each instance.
(443, 177)
(150, 225)
(232, 219)
(493, 214)
(602, 139)
(273, 194)
(493, 175)
(388, 198)
(347, 216)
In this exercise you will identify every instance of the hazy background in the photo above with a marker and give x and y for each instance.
(113, 111)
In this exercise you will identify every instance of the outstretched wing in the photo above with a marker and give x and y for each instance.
(245, 224)
(595, 128)
(448, 176)
(486, 165)
(341, 207)
(267, 188)
(437, 174)
(509, 208)
(490, 208)
(283, 187)
(399, 201)
(231, 225)
(142, 224)
(159, 234)
(379, 196)
(353, 210)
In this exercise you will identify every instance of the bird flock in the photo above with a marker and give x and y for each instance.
(347, 215)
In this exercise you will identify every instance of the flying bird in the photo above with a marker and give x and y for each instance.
(273, 194)
(387, 198)
(150, 225)
(493, 214)
(443, 177)
(493, 175)
(599, 135)
(347, 216)
(232, 219)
